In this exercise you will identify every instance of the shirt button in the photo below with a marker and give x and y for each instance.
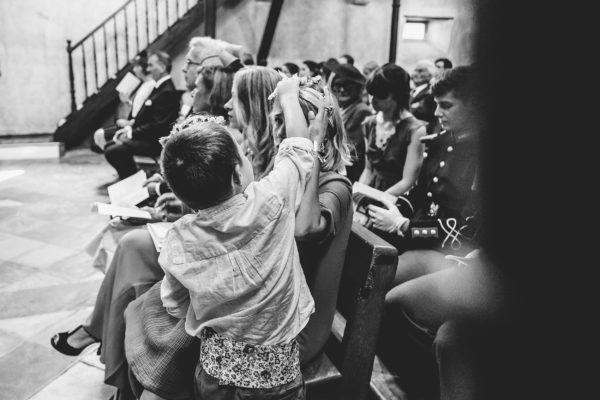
(429, 194)
(435, 179)
(424, 154)
(450, 148)
(442, 164)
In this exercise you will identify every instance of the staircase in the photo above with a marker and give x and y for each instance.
(100, 60)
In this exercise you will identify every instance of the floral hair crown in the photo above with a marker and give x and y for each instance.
(305, 81)
(193, 120)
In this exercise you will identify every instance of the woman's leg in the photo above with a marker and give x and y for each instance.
(134, 269)
(415, 263)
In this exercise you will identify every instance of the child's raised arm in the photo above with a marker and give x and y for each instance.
(287, 92)
(310, 223)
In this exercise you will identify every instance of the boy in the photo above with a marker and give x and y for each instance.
(232, 269)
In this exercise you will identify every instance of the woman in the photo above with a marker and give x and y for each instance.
(394, 150)
(290, 69)
(309, 69)
(132, 271)
(155, 338)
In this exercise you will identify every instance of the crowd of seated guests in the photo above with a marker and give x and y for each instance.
(257, 165)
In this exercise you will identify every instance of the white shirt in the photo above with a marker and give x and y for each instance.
(419, 89)
(140, 96)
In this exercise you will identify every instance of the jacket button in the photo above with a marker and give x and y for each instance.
(435, 179)
(429, 194)
(450, 148)
(442, 163)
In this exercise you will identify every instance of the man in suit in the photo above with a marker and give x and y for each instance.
(422, 104)
(154, 120)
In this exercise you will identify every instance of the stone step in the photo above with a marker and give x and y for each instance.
(31, 151)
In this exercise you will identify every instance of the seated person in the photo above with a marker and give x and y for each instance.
(347, 86)
(422, 104)
(446, 198)
(256, 272)
(464, 308)
(152, 336)
(135, 100)
(155, 118)
(394, 152)
(445, 223)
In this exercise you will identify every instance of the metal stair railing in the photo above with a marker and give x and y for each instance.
(102, 53)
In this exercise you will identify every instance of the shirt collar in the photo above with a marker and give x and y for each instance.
(420, 88)
(161, 80)
(231, 202)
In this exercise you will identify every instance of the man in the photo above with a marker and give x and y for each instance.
(347, 86)
(445, 225)
(422, 105)
(441, 65)
(153, 121)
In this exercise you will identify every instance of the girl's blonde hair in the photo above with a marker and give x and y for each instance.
(253, 85)
(336, 149)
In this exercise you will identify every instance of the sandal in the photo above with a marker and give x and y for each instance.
(59, 342)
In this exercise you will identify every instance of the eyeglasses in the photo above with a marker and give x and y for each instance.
(188, 62)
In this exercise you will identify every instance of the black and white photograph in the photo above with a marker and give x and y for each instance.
(293, 199)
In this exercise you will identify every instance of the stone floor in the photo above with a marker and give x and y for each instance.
(46, 282)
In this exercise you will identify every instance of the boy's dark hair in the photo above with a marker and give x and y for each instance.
(447, 63)
(199, 162)
(390, 79)
(461, 81)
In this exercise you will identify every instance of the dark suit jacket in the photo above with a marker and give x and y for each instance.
(157, 115)
(422, 106)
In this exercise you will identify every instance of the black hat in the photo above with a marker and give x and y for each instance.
(349, 72)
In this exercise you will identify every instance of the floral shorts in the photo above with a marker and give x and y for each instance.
(208, 388)
(240, 364)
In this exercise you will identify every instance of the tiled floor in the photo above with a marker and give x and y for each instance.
(47, 284)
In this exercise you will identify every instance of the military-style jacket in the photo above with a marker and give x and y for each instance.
(446, 200)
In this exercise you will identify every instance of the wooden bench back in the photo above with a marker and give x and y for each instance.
(369, 269)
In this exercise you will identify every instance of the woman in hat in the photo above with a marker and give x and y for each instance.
(347, 85)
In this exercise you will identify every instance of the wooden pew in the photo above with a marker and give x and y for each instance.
(343, 370)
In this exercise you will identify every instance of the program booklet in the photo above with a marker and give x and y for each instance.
(364, 195)
(121, 211)
(124, 197)
(129, 191)
(128, 84)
